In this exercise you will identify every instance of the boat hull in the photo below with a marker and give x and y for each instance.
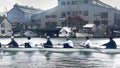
(112, 51)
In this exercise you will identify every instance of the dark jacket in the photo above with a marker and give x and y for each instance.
(13, 43)
(48, 44)
(110, 45)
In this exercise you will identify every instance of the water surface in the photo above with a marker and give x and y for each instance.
(45, 59)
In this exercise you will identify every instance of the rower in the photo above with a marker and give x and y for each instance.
(87, 43)
(67, 44)
(49, 43)
(111, 44)
(29, 43)
(13, 43)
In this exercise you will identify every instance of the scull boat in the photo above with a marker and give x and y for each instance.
(65, 50)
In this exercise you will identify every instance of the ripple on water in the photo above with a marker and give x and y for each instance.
(58, 60)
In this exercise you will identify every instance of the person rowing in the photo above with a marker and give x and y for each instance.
(87, 43)
(13, 43)
(67, 44)
(48, 44)
(111, 44)
(29, 43)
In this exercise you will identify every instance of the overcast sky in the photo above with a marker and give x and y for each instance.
(6, 5)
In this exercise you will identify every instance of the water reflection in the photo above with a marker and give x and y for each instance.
(85, 54)
(46, 59)
(30, 53)
(47, 55)
(111, 56)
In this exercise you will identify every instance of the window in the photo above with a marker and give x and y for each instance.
(105, 22)
(54, 24)
(32, 20)
(104, 15)
(50, 16)
(9, 31)
(47, 16)
(68, 3)
(96, 14)
(68, 13)
(64, 24)
(74, 13)
(63, 14)
(47, 24)
(51, 24)
(39, 20)
(2, 31)
(63, 3)
(3, 25)
(85, 1)
(80, 12)
(74, 2)
(97, 22)
(86, 22)
(86, 13)
(53, 16)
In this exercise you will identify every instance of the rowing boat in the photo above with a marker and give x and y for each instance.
(60, 49)
(20, 49)
(65, 50)
(43, 49)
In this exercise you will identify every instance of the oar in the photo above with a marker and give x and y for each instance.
(1, 51)
(78, 44)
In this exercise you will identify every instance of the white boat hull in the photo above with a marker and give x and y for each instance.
(113, 51)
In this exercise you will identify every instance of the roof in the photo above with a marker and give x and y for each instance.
(1, 19)
(28, 9)
(49, 11)
(102, 4)
(88, 26)
(52, 10)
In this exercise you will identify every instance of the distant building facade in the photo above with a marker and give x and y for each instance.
(5, 27)
(21, 14)
(20, 17)
(76, 13)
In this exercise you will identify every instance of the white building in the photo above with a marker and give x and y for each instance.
(5, 27)
(77, 13)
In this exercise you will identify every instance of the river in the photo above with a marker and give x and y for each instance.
(44, 59)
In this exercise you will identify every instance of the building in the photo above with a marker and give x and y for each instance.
(20, 17)
(5, 27)
(77, 13)
(21, 14)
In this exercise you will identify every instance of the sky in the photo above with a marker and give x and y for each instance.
(6, 5)
(42, 4)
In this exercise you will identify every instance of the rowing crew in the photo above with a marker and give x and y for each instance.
(14, 44)
(67, 44)
(87, 44)
(110, 45)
